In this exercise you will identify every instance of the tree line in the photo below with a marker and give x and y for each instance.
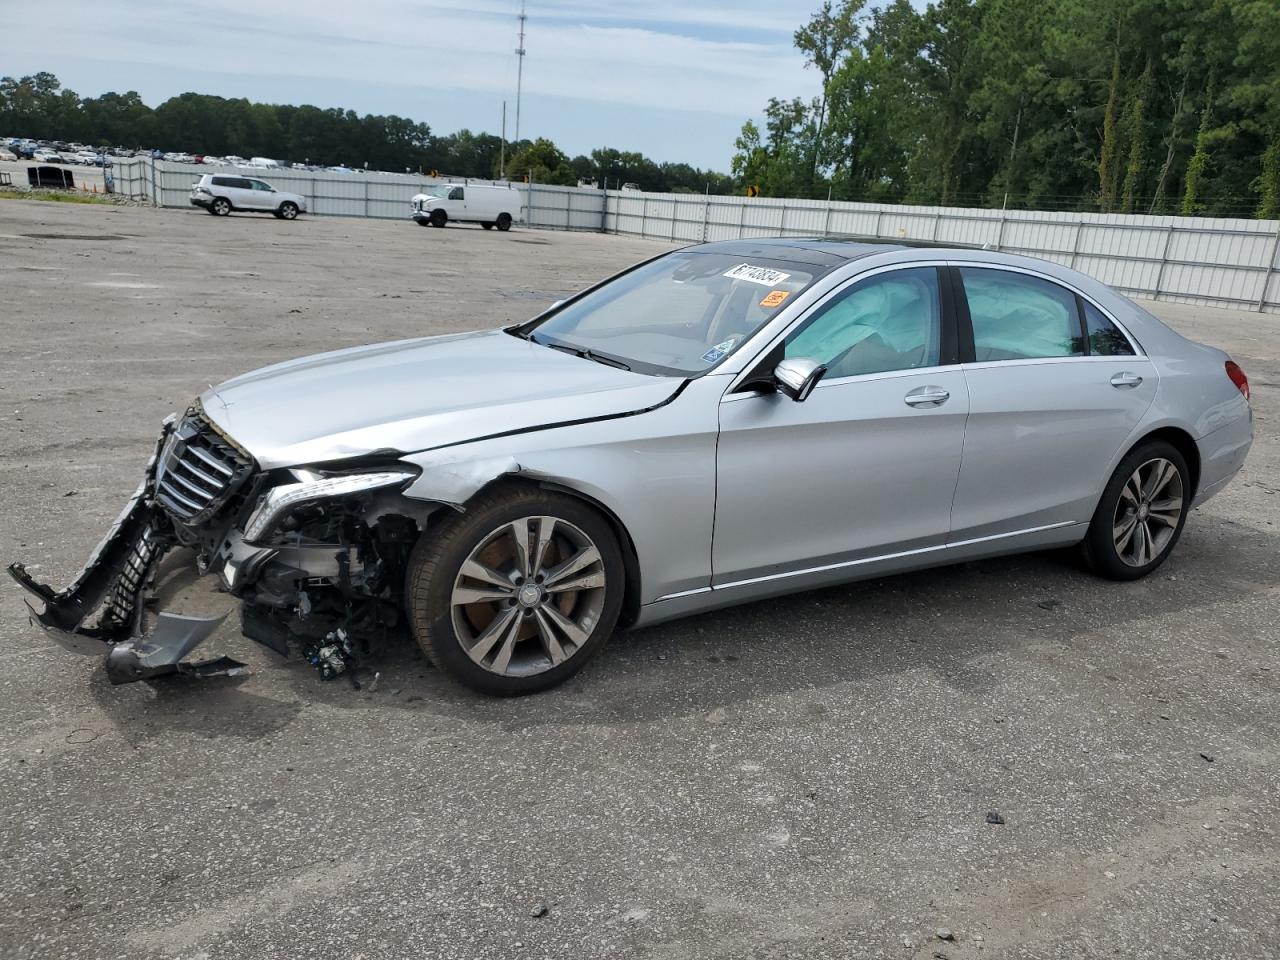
(1133, 106)
(39, 107)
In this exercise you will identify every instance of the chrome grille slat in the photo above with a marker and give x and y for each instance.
(210, 460)
(201, 475)
(198, 472)
(189, 504)
(205, 495)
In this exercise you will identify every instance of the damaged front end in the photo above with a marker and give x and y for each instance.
(316, 556)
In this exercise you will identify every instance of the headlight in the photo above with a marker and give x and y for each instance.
(278, 501)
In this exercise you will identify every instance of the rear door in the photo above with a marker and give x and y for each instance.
(1055, 389)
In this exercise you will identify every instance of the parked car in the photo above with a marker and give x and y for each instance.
(85, 157)
(489, 206)
(719, 424)
(222, 193)
(46, 155)
(7, 154)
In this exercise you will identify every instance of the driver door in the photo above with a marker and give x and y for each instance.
(867, 465)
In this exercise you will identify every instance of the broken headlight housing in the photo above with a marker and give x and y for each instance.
(312, 486)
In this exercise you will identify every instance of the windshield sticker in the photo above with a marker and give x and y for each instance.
(761, 275)
(719, 350)
(774, 297)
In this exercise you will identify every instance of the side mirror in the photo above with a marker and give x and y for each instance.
(797, 378)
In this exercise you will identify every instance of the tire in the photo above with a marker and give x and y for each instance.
(220, 207)
(511, 638)
(504, 222)
(288, 211)
(1141, 514)
(209, 210)
(487, 225)
(439, 218)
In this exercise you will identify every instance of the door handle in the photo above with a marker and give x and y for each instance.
(1126, 379)
(927, 397)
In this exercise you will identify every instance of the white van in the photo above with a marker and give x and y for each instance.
(489, 206)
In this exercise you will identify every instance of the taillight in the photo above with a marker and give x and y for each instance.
(1236, 376)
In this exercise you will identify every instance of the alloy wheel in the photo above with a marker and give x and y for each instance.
(528, 596)
(1148, 512)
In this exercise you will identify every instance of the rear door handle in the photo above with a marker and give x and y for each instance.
(1125, 379)
(927, 397)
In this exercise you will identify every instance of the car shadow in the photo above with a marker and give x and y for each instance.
(954, 624)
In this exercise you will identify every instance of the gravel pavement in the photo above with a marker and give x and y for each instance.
(807, 777)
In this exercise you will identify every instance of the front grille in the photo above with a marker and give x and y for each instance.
(198, 471)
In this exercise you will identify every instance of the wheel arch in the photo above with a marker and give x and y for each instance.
(1182, 441)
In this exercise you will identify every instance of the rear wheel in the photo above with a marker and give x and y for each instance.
(221, 207)
(504, 222)
(439, 218)
(1141, 514)
(288, 210)
(518, 593)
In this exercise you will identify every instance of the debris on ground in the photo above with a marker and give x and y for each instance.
(993, 816)
(1207, 757)
(943, 933)
(540, 910)
(1049, 604)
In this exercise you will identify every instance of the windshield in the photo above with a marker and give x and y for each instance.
(681, 314)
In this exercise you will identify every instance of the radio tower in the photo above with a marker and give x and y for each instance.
(519, 68)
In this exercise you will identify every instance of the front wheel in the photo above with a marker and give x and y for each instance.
(1141, 514)
(518, 593)
(288, 210)
(504, 222)
(439, 218)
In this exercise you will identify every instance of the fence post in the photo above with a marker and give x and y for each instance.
(155, 196)
(604, 210)
(1271, 268)
(879, 214)
(528, 202)
(1075, 244)
(826, 221)
(937, 219)
(706, 215)
(366, 194)
(742, 218)
(1164, 258)
(782, 222)
(1000, 232)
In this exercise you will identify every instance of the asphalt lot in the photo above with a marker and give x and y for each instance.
(806, 777)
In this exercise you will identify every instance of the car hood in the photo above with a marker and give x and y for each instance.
(419, 394)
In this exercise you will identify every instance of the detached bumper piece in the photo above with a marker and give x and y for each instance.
(113, 584)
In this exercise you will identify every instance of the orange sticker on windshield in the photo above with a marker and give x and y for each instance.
(774, 297)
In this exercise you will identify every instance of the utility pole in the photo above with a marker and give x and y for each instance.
(502, 153)
(519, 70)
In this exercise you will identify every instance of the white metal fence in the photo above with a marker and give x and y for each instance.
(1218, 262)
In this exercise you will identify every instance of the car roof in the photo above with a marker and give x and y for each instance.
(825, 252)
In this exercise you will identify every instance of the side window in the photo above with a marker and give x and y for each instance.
(1020, 317)
(241, 183)
(223, 182)
(455, 193)
(887, 322)
(1105, 339)
(259, 185)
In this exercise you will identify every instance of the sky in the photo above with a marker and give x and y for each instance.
(673, 79)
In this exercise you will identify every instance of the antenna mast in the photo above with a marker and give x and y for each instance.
(519, 68)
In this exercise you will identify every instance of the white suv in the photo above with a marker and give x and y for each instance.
(221, 193)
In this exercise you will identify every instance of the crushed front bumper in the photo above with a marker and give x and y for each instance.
(113, 584)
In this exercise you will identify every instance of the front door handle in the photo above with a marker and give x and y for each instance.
(927, 397)
(1126, 379)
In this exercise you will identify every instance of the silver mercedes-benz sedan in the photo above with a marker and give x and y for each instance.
(718, 424)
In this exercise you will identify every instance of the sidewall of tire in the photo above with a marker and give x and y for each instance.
(434, 566)
(1099, 543)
